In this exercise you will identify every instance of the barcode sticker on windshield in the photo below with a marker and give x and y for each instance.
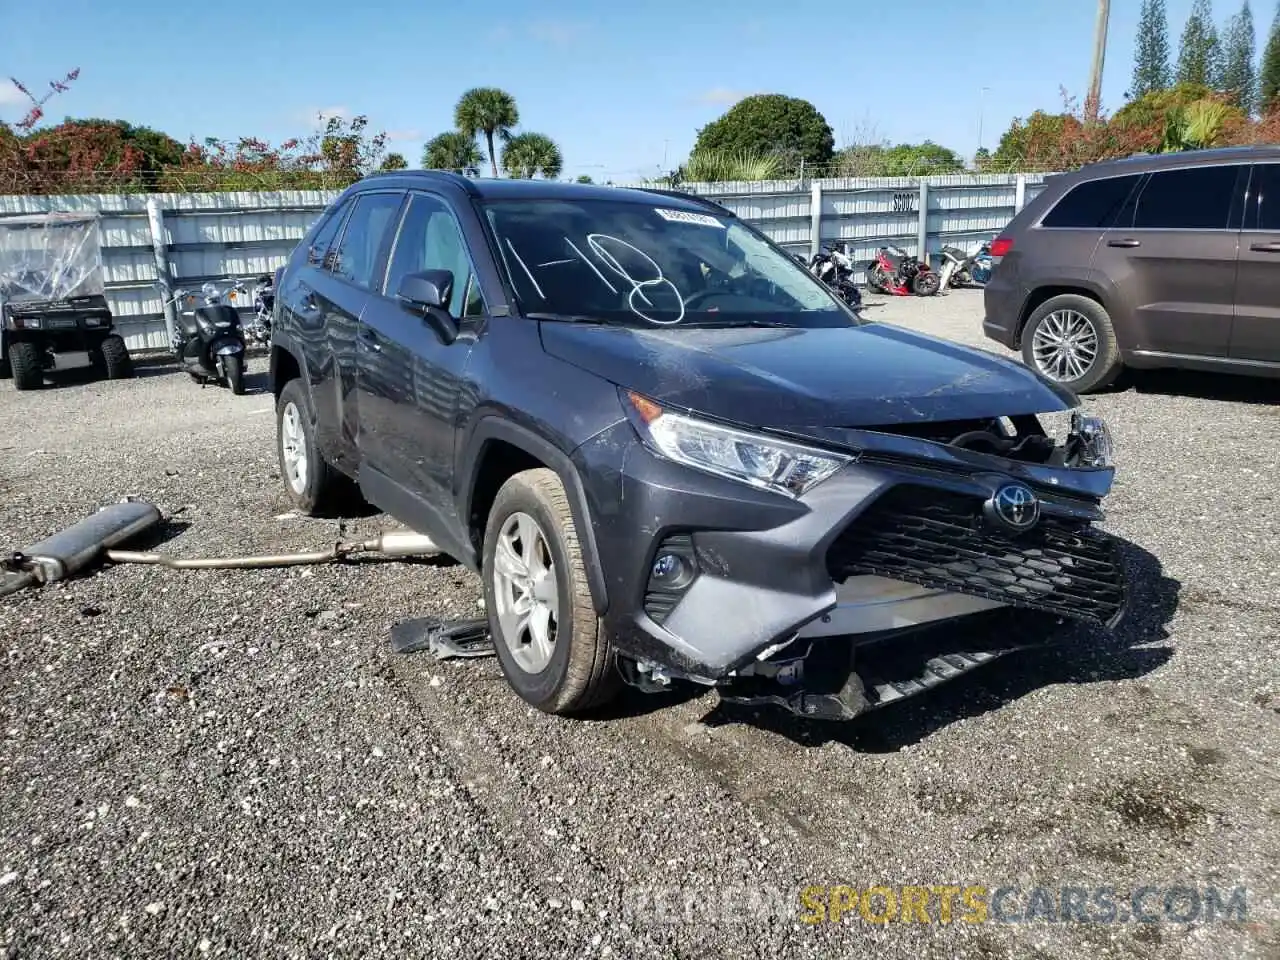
(684, 216)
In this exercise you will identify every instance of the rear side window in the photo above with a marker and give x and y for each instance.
(1092, 204)
(324, 237)
(1265, 212)
(367, 227)
(1197, 198)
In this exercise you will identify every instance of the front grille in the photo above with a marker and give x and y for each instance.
(940, 540)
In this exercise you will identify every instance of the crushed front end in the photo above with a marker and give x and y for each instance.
(799, 569)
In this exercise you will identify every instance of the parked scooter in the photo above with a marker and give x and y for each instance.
(834, 267)
(210, 343)
(264, 297)
(898, 273)
(965, 268)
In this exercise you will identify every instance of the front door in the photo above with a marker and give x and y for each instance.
(1255, 335)
(411, 376)
(1172, 254)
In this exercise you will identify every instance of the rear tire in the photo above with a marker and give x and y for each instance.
(312, 485)
(27, 366)
(235, 373)
(554, 651)
(925, 283)
(1086, 320)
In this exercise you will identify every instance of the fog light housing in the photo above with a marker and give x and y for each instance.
(672, 571)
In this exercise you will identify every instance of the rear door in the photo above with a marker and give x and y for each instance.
(1171, 256)
(1255, 334)
(341, 293)
(301, 315)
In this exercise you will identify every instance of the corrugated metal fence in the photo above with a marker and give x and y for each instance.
(215, 235)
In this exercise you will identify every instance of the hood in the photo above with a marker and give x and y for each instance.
(858, 376)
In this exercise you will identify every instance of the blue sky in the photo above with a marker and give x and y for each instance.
(623, 88)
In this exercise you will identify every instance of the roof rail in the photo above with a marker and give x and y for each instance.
(456, 178)
(692, 198)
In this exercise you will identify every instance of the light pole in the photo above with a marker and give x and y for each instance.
(1099, 56)
(982, 104)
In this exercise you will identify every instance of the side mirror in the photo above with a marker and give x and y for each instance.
(427, 294)
(800, 259)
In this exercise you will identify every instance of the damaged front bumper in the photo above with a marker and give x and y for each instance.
(718, 582)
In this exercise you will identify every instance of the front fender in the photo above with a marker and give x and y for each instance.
(494, 428)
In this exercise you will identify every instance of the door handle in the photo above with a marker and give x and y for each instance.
(1272, 247)
(1124, 243)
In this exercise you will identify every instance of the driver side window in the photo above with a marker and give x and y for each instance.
(429, 239)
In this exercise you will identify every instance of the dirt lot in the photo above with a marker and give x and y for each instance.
(233, 763)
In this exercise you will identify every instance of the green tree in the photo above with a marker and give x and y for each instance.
(488, 111)
(527, 155)
(770, 123)
(1199, 57)
(395, 161)
(453, 151)
(1239, 78)
(1151, 56)
(1269, 75)
(584, 178)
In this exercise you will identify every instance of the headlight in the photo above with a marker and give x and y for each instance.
(1090, 443)
(761, 461)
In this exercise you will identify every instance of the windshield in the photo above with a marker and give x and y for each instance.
(631, 263)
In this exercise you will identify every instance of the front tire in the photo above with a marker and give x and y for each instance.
(1070, 339)
(26, 365)
(549, 641)
(112, 357)
(234, 366)
(311, 484)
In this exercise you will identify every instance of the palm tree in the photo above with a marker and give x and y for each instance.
(528, 154)
(453, 151)
(394, 161)
(490, 111)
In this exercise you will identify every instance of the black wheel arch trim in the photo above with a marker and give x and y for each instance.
(282, 343)
(493, 428)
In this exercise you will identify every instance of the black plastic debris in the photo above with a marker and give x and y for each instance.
(443, 639)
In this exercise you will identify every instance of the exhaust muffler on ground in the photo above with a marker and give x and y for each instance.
(94, 539)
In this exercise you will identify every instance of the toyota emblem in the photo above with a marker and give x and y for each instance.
(1014, 506)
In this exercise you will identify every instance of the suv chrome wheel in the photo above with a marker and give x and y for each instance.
(293, 448)
(527, 592)
(1065, 345)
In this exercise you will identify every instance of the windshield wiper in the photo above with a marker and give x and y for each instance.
(565, 318)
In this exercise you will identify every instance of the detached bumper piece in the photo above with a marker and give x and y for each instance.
(940, 540)
(834, 679)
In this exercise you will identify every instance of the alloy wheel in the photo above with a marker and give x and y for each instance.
(293, 444)
(527, 592)
(1065, 345)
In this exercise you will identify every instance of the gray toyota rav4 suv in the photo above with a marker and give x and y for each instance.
(673, 454)
(1168, 260)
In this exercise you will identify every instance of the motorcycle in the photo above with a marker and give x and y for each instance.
(210, 343)
(965, 268)
(898, 273)
(834, 267)
(264, 297)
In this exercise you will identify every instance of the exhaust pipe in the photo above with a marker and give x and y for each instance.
(95, 538)
(69, 551)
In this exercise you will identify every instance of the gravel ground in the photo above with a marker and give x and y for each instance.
(233, 763)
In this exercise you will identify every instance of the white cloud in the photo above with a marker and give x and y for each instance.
(10, 95)
(556, 33)
(403, 136)
(722, 96)
(553, 33)
(318, 116)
